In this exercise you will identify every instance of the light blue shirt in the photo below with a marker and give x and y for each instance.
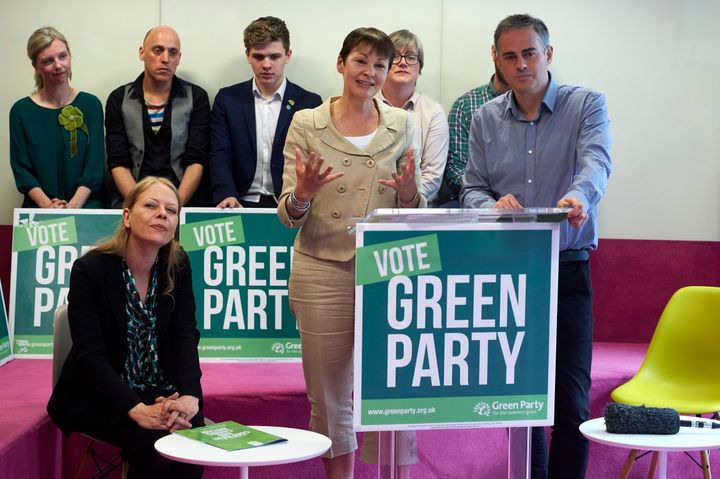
(564, 152)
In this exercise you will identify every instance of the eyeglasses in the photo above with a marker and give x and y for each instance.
(409, 59)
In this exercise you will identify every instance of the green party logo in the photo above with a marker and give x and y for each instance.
(527, 406)
(482, 408)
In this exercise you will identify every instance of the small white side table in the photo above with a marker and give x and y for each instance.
(688, 439)
(300, 445)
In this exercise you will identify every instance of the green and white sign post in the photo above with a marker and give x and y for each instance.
(46, 243)
(241, 262)
(454, 324)
(5, 348)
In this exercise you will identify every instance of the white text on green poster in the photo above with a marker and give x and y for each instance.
(46, 243)
(407, 257)
(465, 343)
(54, 232)
(202, 234)
(454, 409)
(241, 265)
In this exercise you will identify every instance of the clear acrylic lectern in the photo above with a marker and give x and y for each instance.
(531, 233)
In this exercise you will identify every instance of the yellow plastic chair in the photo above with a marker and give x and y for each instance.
(680, 369)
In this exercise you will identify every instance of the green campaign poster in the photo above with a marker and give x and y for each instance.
(5, 349)
(45, 244)
(241, 264)
(455, 325)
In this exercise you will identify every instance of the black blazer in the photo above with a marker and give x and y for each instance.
(233, 139)
(90, 387)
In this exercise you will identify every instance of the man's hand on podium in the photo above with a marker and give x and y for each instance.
(507, 202)
(578, 215)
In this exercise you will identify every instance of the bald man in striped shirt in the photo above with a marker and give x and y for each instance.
(159, 125)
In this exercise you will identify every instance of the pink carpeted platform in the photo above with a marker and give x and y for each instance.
(274, 394)
(632, 280)
(28, 439)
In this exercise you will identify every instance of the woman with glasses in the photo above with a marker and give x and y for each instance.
(57, 146)
(343, 159)
(429, 117)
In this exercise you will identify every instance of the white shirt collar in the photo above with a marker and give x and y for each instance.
(279, 94)
(408, 106)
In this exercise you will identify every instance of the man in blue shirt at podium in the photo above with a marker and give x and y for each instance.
(545, 145)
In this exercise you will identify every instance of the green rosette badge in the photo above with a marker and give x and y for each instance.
(72, 119)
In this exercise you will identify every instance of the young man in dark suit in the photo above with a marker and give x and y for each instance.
(249, 121)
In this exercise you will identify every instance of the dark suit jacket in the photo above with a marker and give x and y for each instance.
(233, 154)
(90, 387)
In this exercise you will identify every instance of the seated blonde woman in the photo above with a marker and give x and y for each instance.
(133, 374)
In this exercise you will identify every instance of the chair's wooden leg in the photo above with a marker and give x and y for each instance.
(81, 467)
(653, 465)
(628, 464)
(705, 457)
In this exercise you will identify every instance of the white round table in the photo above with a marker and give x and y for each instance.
(300, 445)
(688, 439)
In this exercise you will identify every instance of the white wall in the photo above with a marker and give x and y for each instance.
(656, 60)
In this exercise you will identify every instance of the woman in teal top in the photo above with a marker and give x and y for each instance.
(57, 149)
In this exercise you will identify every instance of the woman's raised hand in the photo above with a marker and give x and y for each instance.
(404, 183)
(311, 176)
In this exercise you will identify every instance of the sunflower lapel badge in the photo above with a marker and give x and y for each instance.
(71, 118)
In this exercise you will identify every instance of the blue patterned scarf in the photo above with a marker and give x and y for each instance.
(142, 366)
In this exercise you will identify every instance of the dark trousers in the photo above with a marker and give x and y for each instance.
(568, 447)
(138, 445)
